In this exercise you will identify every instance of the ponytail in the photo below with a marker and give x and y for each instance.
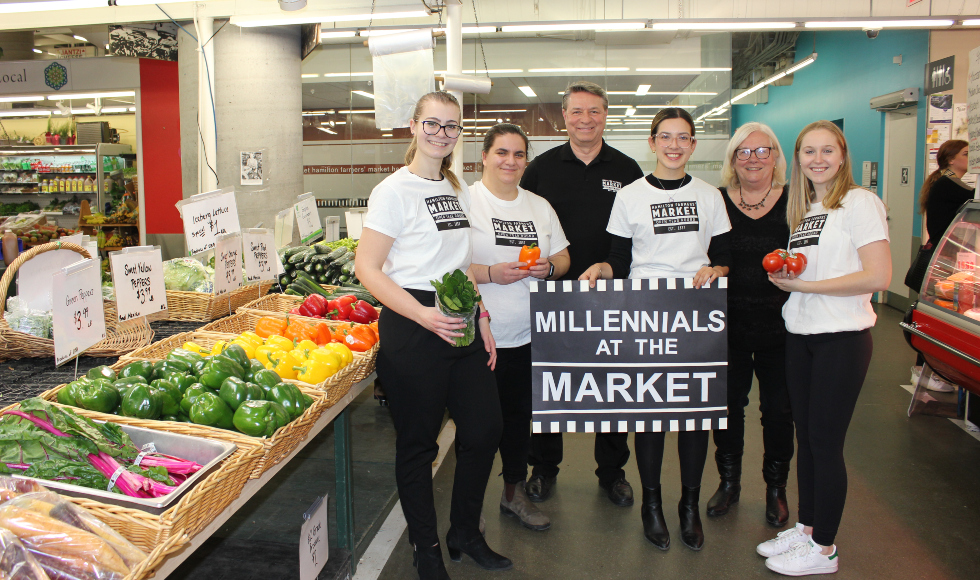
(447, 162)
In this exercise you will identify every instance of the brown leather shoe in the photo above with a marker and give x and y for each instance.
(521, 508)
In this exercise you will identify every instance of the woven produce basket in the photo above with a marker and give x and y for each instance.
(161, 348)
(246, 319)
(15, 345)
(147, 567)
(201, 307)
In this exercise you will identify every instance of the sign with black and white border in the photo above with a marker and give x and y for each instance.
(644, 355)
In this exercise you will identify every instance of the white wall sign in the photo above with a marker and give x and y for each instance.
(973, 109)
(355, 223)
(35, 76)
(227, 263)
(308, 219)
(313, 551)
(284, 227)
(34, 277)
(78, 317)
(137, 275)
(206, 216)
(260, 254)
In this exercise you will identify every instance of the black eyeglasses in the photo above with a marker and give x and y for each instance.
(451, 130)
(760, 153)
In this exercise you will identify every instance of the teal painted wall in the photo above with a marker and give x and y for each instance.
(849, 71)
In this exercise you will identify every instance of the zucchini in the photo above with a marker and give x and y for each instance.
(359, 291)
(300, 274)
(322, 279)
(290, 252)
(300, 256)
(322, 249)
(343, 278)
(318, 267)
(308, 267)
(285, 279)
(348, 268)
(337, 253)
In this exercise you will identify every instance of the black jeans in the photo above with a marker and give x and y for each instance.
(513, 373)
(611, 454)
(769, 365)
(423, 376)
(826, 372)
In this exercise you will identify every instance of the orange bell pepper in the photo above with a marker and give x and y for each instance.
(529, 255)
(297, 330)
(267, 326)
(360, 338)
(323, 334)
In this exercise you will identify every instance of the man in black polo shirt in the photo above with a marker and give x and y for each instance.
(580, 180)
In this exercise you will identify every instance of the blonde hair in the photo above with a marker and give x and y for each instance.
(801, 194)
(447, 162)
(729, 178)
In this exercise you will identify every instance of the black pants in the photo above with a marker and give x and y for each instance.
(611, 454)
(692, 450)
(513, 373)
(423, 376)
(769, 365)
(825, 375)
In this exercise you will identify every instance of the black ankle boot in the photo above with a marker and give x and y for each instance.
(775, 473)
(730, 470)
(476, 548)
(652, 513)
(691, 533)
(428, 561)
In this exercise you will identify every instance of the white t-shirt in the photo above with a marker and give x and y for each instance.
(830, 241)
(500, 228)
(429, 224)
(671, 230)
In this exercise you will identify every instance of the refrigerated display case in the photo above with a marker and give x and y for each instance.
(944, 323)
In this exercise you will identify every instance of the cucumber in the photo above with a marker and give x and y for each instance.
(348, 268)
(359, 291)
(300, 274)
(337, 253)
(318, 267)
(341, 261)
(308, 267)
(290, 252)
(322, 279)
(300, 256)
(343, 278)
(321, 259)
(285, 279)
(322, 249)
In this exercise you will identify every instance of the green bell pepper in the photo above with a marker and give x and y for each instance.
(220, 368)
(233, 392)
(190, 394)
(101, 372)
(141, 402)
(181, 380)
(186, 356)
(209, 409)
(237, 353)
(166, 367)
(259, 418)
(169, 418)
(169, 395)
(290, 397)
(256, 366)
(140, 368)
(98, 395)
(123, 385)
(67, 395)
(198, 367)
(266, 378)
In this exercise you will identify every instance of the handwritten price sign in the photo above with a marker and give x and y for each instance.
(261, 259)
(227, 263)
(207, 216)
(78, 316)
(137, 274)
(313, 552)
(308, 218)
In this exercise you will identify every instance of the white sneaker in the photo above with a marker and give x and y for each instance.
(783, 542)
(803, 560)
(935, 383)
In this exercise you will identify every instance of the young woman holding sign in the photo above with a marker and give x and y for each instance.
(505, 220)
(841, 229)
(416, 230)
(642, 248)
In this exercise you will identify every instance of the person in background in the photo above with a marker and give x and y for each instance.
(753, 178)
(841, 229)
(580, 180)
(697, 250)
(416, 230)
(504, 219)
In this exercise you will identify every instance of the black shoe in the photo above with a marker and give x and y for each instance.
(775, 473)
(730, 470)
(539, 488)
(619, 491)
(652, 514)
(477, 549)
(429, 563)
(691, 533)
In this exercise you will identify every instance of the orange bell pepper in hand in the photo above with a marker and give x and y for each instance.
(529, 255)
(267, 326)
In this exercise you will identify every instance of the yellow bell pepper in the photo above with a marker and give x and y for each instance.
(299, 355)
(248, 347)
(218, 347)
(312, 372)
(329, 358)
(252, 338)
(283, 365)
(306, 345)
(265, 353)
(194, 347)
(342, 350)
(280, 341)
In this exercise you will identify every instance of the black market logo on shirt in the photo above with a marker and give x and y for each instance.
(446, 212)
(808, 232)
(611, 185)
(675, 217)
(514, 233)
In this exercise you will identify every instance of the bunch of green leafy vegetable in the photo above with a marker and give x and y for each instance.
(456, 295)
(349, 243)
(187, 275)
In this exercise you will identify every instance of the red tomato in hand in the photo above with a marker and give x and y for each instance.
(773, 262)
(795, 264)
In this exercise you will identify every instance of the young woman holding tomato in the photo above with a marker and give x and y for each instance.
(415, 231)
(516, 237)
(754, 190)
(841, 229)
(638, 251)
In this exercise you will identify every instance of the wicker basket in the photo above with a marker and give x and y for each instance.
(246, 319)
(148, 566)
(201, 307)
(161, 348)
(119, 340)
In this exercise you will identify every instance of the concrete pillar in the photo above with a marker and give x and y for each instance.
(258, 102)
(18, 45)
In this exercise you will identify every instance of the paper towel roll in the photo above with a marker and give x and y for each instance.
(401, 42)
(466, 84)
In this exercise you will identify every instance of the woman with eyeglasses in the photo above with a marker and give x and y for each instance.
(417, 230)
(753, 178)
(684, 249)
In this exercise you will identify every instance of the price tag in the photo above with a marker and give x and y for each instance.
(313, 551)
(227, 263)
(355, 223)
(77, 239)
(78, 318)
(206, 216)
(284, 227)
(137, 275)
(261, 258)
(308, 219)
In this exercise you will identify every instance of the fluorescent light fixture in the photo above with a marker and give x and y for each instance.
(580, 69)
(384, 32)
(309, 76)
(775, 77)
(132, 109)
(876, 24)
(338, 34)
(313, 113)
(642, 90)
(635, 129)
(77, 37)
(503, 111)
(36, 50)
(630, 111)
(145, 2)
(386, 134)
(310, 17)
(325, 130)
(107, 46)
(87, 111)
(25, 113)
(24, 99)
(494, 71)
(474, 29)
(341, 122)
(656, 92)
(572, 26)
(733, 25)
(107, 95)
(684, 70)
(973, 22)
(665, 106)
(364, 94)
(527, 91)
(18, 7)
(357, 112)
(352, 74)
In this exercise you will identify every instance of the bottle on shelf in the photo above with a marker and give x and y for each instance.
(89, 184)
(10, 251)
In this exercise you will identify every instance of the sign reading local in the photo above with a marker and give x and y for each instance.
(137, 276)
(644, 355)
(206, 216)
(261, 259)
(34, 76)
(78, 317)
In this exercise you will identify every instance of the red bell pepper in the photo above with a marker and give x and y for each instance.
(314, 305)
(363, 313)
(340, 308)
(294, 310)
